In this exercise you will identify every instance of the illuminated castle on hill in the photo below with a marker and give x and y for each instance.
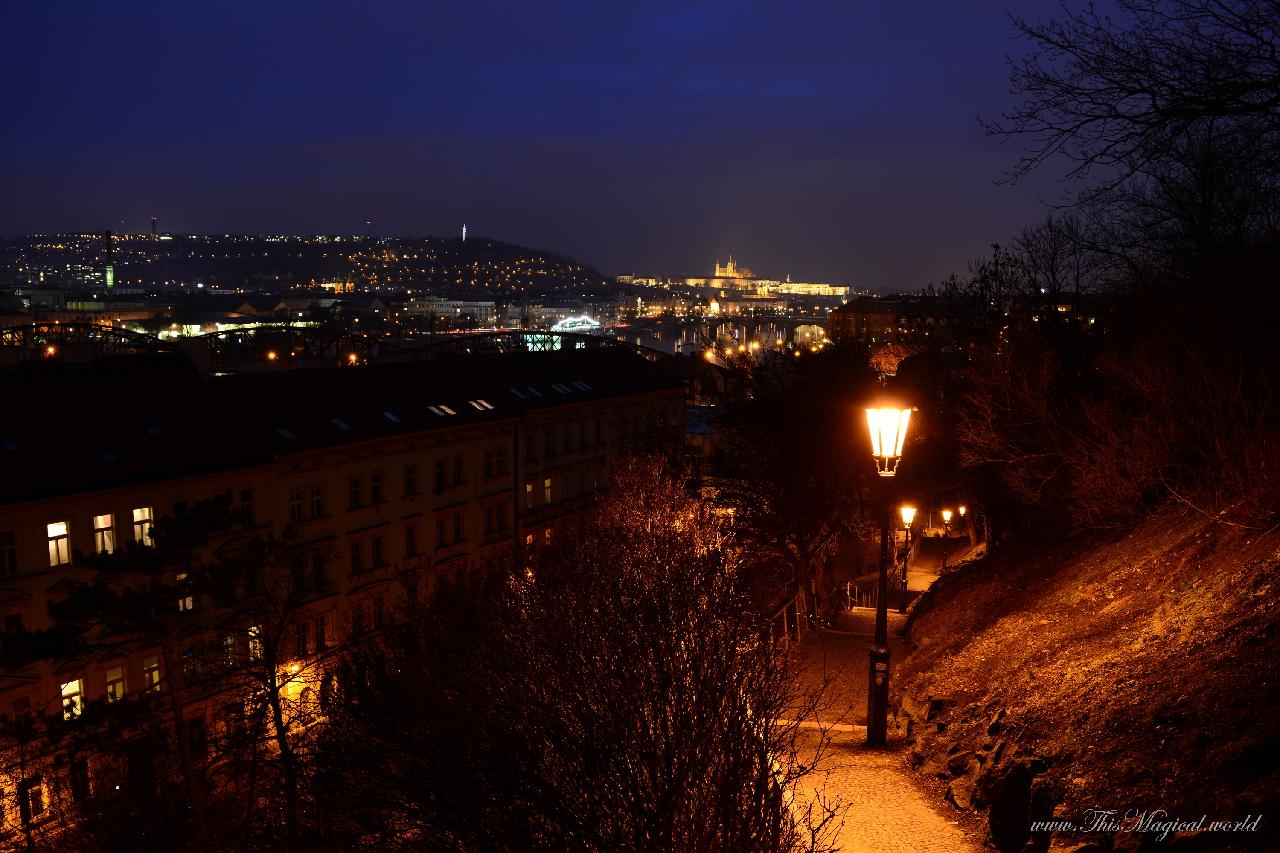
(731, 278)
(730, 270)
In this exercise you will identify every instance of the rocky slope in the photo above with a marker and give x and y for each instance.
(1132, 671)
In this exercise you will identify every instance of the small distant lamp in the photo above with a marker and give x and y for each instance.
(962, 509)
(888, 428)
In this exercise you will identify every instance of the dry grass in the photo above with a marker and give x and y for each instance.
(1140, 667)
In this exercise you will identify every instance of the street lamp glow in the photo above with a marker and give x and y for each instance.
(962, 509)
(946, 516)
(908, 515)
(888, 427)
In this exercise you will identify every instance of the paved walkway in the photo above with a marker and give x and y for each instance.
(890, 809)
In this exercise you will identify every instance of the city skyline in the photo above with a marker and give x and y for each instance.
(644, 142)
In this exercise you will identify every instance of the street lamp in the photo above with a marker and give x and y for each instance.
(908, 515)
(946, 521)
(888, 428)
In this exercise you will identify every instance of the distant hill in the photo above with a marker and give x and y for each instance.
(268, 262)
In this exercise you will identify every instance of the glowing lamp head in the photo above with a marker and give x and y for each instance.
(908, 515)
(946, 516)
(271, 355)
(888, 428)
(962, 509)
(352, 358)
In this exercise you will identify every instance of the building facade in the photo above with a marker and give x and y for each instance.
(382, 482)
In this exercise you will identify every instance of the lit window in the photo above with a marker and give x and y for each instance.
(142, 525)
(255, 643)
(151, 674)
(71, 706)
(546, 490)
(104, 534)
(546, 536)
(115, 684)
(528, 495)
(59, 543)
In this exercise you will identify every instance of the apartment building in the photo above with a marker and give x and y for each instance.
(388, 478)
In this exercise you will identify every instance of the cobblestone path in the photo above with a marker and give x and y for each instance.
(888, 812)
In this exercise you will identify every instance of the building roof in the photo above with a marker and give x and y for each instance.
(76, 428)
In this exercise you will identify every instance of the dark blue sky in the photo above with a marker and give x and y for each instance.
(832, 141)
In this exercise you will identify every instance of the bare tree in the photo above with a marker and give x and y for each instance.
(1117, 95)
(618, 692)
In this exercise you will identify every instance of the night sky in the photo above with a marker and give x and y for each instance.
(831, 142)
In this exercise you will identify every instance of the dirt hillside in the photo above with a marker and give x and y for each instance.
(1130, 671)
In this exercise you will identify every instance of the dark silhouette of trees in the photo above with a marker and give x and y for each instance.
(1120, 95)
(1156, 381)
(617, 692)
(793, 467)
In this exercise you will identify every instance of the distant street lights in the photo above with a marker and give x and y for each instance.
(888, 428)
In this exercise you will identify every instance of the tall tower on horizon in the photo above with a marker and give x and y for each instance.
(109, 274)
(464, 232)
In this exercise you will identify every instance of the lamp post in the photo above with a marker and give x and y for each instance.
(946, 522)
(888, 428)
(908, 514)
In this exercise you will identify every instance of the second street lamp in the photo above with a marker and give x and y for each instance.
(888, 428)
(908, 515)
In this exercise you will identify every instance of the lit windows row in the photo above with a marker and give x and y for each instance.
(73, 691)
(59, 538)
